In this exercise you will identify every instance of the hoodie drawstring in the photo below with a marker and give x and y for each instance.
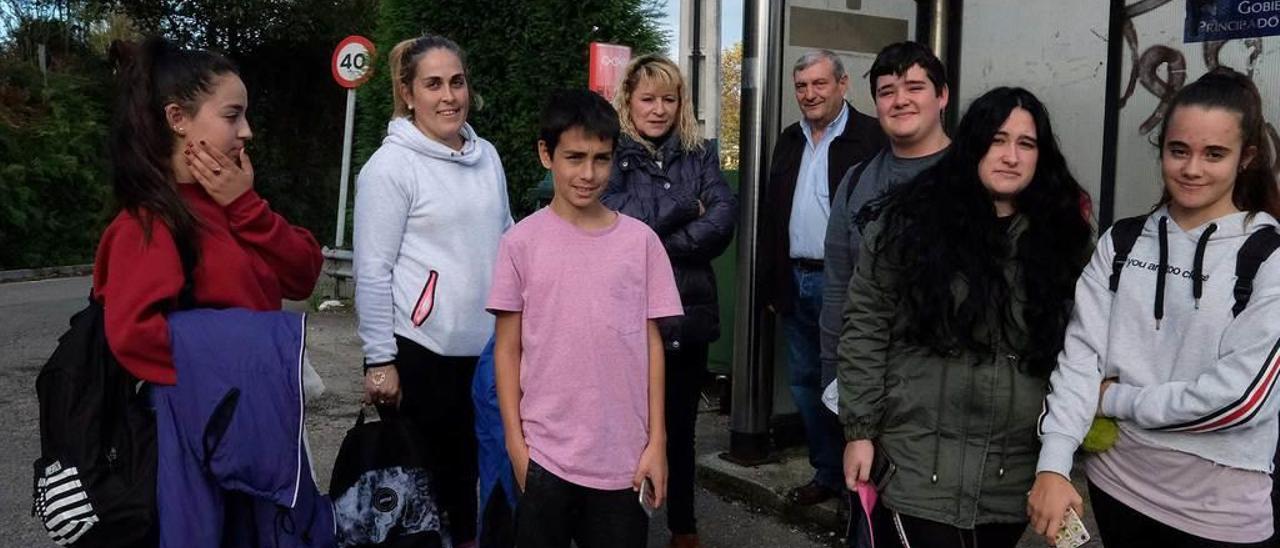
(1197, 268)
(1164, 265)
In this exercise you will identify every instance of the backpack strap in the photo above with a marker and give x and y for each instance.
(1124, 233)
(1252, 254)
(853, 180)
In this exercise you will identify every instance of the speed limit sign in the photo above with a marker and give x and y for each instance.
(353, 61)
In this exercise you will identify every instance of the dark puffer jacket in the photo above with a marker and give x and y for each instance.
(664, 191)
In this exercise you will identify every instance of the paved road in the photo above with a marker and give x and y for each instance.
(33, 314)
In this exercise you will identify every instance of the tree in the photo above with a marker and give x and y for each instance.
(54, 172)
(730, 105)
(517, 52)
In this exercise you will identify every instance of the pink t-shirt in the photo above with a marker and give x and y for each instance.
(585, 298)
(1184, 491)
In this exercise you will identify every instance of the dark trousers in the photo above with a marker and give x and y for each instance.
(436, 397)
(821, 426)
(894, 530)
(553, 512)
(1120, 525)
(686, 370)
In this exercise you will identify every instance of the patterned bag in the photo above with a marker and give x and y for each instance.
(381, 489)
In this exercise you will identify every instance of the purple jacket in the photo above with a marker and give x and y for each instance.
(232, 469)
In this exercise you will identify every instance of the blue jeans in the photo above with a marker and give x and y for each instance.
(821, 426)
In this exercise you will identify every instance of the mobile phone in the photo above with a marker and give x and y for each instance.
(1072, 534)
(647, 495)
(882, 468)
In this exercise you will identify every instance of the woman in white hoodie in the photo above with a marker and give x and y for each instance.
(1163, 343)
(431, 204)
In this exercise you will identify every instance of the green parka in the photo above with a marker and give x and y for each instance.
(961, 427)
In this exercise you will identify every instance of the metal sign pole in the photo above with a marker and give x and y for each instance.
(349, 126)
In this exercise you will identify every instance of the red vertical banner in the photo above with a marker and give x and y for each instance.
(608, 61)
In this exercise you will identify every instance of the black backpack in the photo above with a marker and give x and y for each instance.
(94, 484)
(95, 480)
(1256, 249)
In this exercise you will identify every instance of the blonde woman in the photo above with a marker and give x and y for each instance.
(430, 208)
(667, 175)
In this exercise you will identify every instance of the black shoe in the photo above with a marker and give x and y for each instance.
(810, 494)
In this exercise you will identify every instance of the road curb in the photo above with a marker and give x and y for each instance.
(753, 487)
(30, 274)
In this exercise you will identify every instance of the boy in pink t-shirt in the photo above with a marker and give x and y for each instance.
(578, 356)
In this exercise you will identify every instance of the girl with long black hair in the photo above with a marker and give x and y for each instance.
(955, 312)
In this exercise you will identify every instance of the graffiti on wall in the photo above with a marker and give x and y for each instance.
(1162, 70)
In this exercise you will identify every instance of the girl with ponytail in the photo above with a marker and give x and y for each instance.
(189, 222)
(431, 205)
(1161, 343)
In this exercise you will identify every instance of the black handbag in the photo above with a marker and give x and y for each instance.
(381, 489)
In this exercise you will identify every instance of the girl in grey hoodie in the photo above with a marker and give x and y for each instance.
(1188, 380)
(431, 204)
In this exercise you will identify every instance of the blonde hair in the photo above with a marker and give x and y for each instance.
(662, 73)
(404, 59)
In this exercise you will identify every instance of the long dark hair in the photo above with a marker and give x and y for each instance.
(152, 75)
(942, 229)
(1224, 88)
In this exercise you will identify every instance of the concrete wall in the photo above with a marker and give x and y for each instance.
(1055, 49)
(708, 102)
(854, 29)
(1058, 50)
(1138, 182)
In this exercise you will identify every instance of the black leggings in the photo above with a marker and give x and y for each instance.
(1120, 525)
(686, 370)
(436, 397)
(894, 530)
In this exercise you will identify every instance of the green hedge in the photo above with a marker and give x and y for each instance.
(54, 185)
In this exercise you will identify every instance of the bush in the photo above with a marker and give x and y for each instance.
(53, 170)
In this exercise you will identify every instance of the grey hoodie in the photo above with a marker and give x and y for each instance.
(1191, 377)
(427, 223)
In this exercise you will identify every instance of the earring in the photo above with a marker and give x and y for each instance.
(179, 130)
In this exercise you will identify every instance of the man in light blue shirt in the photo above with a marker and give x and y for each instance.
(811, 204)
(808, 161)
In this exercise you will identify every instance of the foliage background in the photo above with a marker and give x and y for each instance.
(54, 174)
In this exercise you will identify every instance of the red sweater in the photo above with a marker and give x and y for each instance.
(249, 257)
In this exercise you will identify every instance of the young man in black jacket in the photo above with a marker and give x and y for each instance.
(808, 162)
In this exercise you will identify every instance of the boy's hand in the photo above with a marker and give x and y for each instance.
(653, 465)
(520, 465)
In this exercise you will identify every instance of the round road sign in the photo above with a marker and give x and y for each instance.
(353, 61)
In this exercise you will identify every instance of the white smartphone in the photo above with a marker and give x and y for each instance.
(647, 495)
